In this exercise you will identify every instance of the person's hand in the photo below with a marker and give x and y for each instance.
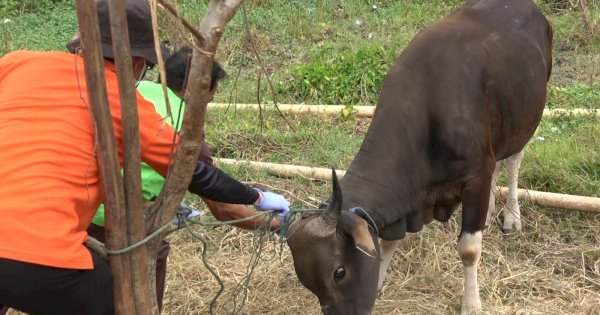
(185, 212)
(272, 201)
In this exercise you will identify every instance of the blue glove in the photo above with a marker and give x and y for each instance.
(186, 212)
(273, 201)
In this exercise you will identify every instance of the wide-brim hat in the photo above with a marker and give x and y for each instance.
(139, 25)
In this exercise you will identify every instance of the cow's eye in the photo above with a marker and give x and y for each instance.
(339, 274)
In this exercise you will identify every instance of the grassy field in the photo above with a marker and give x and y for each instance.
(335, 52)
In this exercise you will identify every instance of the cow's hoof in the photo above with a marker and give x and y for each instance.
(511, 227)
(471, 307)
(472, 311)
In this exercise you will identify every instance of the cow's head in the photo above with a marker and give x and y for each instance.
(336, 256)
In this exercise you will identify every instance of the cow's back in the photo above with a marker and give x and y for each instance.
(467, 88)
(487, 66)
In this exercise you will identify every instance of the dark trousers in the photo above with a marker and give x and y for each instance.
(164, 248)
(37, 289)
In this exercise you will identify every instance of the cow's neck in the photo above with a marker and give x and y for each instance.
(388, 175)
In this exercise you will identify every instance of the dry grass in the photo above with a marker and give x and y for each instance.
(552, 267)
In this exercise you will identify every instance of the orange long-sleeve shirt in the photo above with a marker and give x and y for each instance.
(49, 180)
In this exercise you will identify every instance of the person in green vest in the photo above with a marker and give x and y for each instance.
(176, 70)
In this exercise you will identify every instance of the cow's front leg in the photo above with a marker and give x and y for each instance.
(387, 252)
(511, 210)
(475, 197)
(469, 250)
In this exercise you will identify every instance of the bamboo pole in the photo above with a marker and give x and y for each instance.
(285, 169)
(555, 200)
(360, 111)
(547, 199)
(368, 111)
(106, 151)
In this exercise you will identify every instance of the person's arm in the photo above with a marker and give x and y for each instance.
(229, 212)
(207, 181)
(212, 183)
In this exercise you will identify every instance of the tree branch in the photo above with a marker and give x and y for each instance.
(219, 13)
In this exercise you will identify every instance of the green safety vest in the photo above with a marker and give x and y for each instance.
(152, 182)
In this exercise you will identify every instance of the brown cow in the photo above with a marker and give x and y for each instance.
(467, 91)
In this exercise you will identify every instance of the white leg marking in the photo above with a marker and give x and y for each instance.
(493, 190)
(511, 210)
(387, 252)
(469, 250)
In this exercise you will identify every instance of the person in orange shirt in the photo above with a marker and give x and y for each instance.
(49, 180)
(176, 69)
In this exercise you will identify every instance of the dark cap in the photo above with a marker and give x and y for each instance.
(139, 24)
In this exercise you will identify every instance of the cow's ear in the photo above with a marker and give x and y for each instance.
(358, 230)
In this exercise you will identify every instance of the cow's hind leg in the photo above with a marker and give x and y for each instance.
(387, 252)
(511, 210)
(493, 190)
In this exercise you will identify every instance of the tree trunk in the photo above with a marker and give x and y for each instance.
(134, 272)
(107, 154)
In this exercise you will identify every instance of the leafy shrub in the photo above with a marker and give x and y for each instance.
(349, 77)
(15, 7)
(580, 95)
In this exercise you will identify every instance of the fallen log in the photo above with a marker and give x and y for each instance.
(546, 199)
(368, 111)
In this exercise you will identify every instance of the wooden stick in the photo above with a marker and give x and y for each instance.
(547, 199)
(368, 111)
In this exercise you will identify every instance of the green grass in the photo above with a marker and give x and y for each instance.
(579, 95)
(295, 36)
(567, 160)
(562, 157)
(41, 27)
(317, 141)
(304, 44)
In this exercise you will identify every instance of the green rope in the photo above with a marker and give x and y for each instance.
(207, 223)
(138, 244)
(262, 236)
(203, 255)
(239, 295)
(162, 229)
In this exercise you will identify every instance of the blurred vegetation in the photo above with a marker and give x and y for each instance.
(349, 77)
(326, 51)
(337, 52)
